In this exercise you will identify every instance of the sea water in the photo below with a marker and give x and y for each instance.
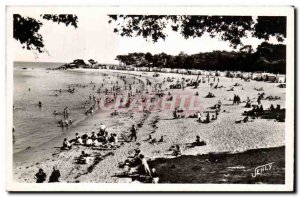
(32, 83)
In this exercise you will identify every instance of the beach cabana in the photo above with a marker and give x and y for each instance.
(280, 78)
(271, 78)
(221, 74)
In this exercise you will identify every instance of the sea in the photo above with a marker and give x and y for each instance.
(32, 82)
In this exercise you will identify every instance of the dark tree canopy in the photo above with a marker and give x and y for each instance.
(26, 29)
(67, 19)
(267, 26)
(229, 28)
(267, 57)
(26, 32)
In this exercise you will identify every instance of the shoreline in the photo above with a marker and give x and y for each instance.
(157, 124)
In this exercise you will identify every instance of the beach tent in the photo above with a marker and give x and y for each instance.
(238, 74)
(257, 76)
(174, 70)
(222, 74)
(155, 69)
(183, 71)
(264, 76)
(280, 78)
(246, 75)
(194, 72)
(271, 78)
(206, 73)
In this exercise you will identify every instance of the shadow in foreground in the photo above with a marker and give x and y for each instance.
(224, 167)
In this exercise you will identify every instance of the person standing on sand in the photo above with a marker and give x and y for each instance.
(145, 164)
(40, 176)
(54, 177)
(133, 133)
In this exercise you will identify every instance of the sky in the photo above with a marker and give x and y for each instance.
(94, 39)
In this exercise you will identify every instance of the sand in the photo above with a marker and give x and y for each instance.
(221, 136)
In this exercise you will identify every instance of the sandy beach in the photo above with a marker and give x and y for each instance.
(222, 136)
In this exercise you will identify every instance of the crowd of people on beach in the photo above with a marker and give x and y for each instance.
(137, 165)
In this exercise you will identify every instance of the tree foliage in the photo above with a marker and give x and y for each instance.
(26, 29)
(229, 28)
(67, 19)
(267, 57)
(26, 32)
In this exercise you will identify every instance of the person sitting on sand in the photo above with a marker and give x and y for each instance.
(134, 180)
(207, 120)
(161, 139)
(93, 136)
(55, 113)
(83, 158)
(89, 142)
(261, 108)
(198, 142)
(197, 139)
(84, 137)
(219, 104)
(238, 99)
(216, 114)
(135, 159)
(272, 108)
(199, 116)
(155, 177)
(95, 142)
(213, 117)
(104, 138)
(40, 104)
(231, 89)
(79, 141)
(40, 176)
(176, 151)
(54, 177)
(76, 136)
(112, 139)
(145, 164)
(248, 102)
(246, 119)
(149, 138)
(210, 95)
(175, 115)
(102, 128)
(66, 144)
(114, 113)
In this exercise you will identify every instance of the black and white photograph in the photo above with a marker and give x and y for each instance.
(150, 98)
